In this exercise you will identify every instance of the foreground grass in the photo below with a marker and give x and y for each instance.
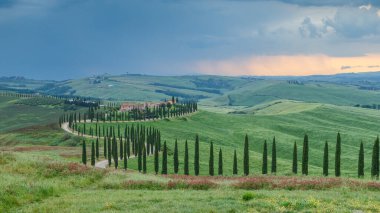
(219, 200)
(45, 182)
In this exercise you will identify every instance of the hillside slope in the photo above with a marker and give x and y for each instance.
(320, 122)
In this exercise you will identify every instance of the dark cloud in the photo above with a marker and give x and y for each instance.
(6, 3)
(355, 22)
(332, 2)
(309, 30)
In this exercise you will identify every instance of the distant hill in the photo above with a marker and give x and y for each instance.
(341, 89)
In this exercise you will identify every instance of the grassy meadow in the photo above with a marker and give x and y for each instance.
(41, 170)
(321, 122)
(44, 181)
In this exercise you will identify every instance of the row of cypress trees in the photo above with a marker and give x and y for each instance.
(305, 158)
(155, 112)
(67, 99)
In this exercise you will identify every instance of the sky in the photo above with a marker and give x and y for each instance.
(64, 39)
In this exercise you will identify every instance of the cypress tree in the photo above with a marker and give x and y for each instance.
(121, 148)
(196, 156)
(84, 154)
(220, 164)
(156, 164)
(337, 155)
(144, 160)
(175, 156)
(295, 160)
(235, 169)
(139, 157)
(246, 156)
(109, 149)
(211, 161)
(265, 159)
(326, 160)
(92, 154)
(115, 157)
(97, 148)
(128, 144)
(305, 155)
(186, 160)
(165, 160)
(105, 147)
(274, 157)
(361, 161)
(375, 159)
(125, 156)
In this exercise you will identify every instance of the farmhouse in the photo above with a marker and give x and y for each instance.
(140, 106)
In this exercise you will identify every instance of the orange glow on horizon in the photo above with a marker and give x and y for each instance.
(291, 65)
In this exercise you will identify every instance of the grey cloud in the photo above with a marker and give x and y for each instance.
(332, 2)
(352, 67)
(309, 30)
(355, 22)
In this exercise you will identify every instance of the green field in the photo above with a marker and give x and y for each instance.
(15, 115)
(43, 181)
(321, 122)
(40, 167)
(217, 91)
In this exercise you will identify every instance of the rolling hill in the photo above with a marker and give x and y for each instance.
(217, 91)
(288, 122)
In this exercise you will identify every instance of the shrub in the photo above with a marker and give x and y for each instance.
(248, 196)
(373, 185)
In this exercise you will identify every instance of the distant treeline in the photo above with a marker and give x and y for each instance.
(368, 106)
(296, 82)
(67, 99)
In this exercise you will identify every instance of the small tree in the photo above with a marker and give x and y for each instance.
(295, 159)
(265, 159)
(186, 160)
(144, 160)
(165, 160)
(361, 161)
(274, 157)
(175, 156)
(97, 148)
(109, 149)
(326, 160)
(235, 169)
(337, 155)
(375, 159)
(121, 148)
(220, 164)
(105, 147)
(305, 155)
(246, 156)
(92, 154)
(125, 156)
(196, 156)
(156, 164)
(115, 155)
(211, 160)
(84, 154)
